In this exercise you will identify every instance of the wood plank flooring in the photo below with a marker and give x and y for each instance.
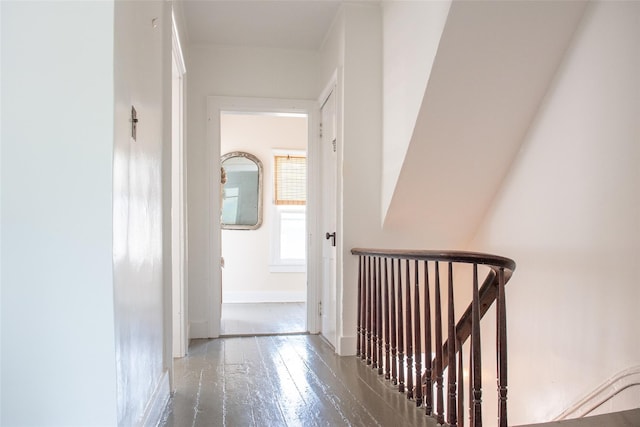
(263, 318)
(293, 380)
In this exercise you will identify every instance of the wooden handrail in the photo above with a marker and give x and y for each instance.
(390, 310)
(464, 257)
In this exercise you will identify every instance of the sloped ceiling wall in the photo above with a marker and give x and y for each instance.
(411, 34)
(492, 69)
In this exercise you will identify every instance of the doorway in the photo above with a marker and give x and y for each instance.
(226, 285)
(263, 221)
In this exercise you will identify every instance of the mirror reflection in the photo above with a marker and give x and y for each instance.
(242, 191)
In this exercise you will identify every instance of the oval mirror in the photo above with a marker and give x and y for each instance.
(242, 191)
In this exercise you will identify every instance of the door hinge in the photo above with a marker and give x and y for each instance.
(320, 129)
(134, 123)
(320, 308)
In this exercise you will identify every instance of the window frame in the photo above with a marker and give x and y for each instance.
(277, 264)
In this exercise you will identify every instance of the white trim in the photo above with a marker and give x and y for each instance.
(216, 105)
(177, 46)
(178, 218)
(329, 89)
(340, 310)
(314, 234)
(214, 279)
(158, 403)
(345, 344)
(258, 297)
(605, 392)
(199, 329)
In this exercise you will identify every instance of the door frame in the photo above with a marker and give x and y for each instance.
(215, 106)
(179, 260)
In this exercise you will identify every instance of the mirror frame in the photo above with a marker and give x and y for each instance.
(260, 173)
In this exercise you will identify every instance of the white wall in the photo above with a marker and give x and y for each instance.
(82, 314)
(411, 35)
(58, 336)
(332, 54)
(142, 79)
(247, 253)
(476, 110)
(354, 48)
(215, 70)
(569, 214)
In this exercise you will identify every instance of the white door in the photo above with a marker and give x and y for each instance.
(328, 220)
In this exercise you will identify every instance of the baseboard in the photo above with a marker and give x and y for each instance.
(347, 346)
(198, 329)
(158, 402)
(257, 297)
(605, 392)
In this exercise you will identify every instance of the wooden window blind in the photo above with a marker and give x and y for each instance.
(290, 180)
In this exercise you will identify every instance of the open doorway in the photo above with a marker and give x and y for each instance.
(264, 264)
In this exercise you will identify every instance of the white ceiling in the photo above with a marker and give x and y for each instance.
(292, 24)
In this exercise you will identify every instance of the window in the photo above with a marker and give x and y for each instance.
(290, 183)
(289, 249)
(289, 243)
(292, 236)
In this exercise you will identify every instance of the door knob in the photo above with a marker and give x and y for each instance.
(331, 236)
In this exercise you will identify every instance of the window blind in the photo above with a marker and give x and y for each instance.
(290, 180)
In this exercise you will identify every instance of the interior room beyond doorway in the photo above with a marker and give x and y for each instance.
(264, 283)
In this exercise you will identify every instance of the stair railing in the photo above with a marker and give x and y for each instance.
(396, 320)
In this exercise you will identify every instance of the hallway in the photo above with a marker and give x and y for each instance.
(294, 380)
